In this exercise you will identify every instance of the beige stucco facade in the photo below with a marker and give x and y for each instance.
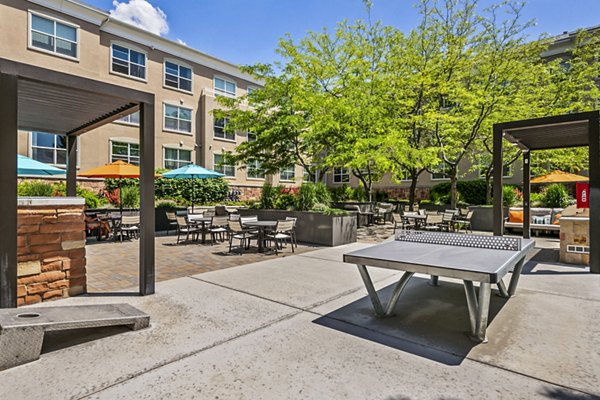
(96, 33)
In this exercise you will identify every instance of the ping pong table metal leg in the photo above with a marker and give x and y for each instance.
(434, 280)
(502, 289)
(371, 289)
(516, 274)
(478, 309)
(389, 310)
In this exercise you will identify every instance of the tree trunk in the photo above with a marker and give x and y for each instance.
(412, 191)
(488, 187)
(453, 187)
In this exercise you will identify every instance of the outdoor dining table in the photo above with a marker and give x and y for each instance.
(418, 219)
(261, 226)
(201, 220)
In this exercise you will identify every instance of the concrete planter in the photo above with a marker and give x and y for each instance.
(313, 227)
(160, 217)
(483, 218)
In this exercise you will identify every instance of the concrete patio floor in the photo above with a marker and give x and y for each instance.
(301, 327)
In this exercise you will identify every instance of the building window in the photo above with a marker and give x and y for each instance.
(128, 152)
(222, 167)
(220, 127)
(131, 119)
(178, 77)
(250, 90)
(178, 119)
(128, 62)
(341, 175)
(254, 170)
(176, 158)
(251, 136)
(288, 173)
(224, 87)
(49, 148)
(53, 36)
(439, 172)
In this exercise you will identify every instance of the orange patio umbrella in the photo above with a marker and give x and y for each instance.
(560, 177)
(117, 170)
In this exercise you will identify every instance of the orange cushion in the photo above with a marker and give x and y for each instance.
(556, 219)
(515, 216)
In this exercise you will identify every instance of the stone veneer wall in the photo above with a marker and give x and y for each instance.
(421, 193)
(51, 249)
(574, 231)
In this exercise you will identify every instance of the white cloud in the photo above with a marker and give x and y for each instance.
(181, 42)
(141, 14)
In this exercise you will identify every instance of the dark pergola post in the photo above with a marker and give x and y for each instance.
(71, 165)
(594, 168)
(526, 194)
(8, 190)
(147, 275)
(497, 192)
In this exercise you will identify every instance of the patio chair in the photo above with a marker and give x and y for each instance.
(250, 218)
(238, 232)
(383, 212)
(218, 227)
(183, 226)
(423, 212)
(283, 232)
(448, 220)
(398, 221)
(130, 225)
(295, 242)
(234, 217)
(433, 222)
(465, 222)
(408, 223)
(171, 221)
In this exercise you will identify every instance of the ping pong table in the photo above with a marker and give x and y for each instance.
(471, 258)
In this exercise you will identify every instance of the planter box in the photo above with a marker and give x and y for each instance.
(313, 227)
(483, 218)
(160, 217)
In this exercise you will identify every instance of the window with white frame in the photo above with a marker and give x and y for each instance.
(49, 148)
(224, 87)
(254, 170)
(440, 172)
(176, 158)
(220, 126)
(178, 119)
(127, 61)
(53, 35)
(341, 175)
(221, 166)
(131, 119)
(288, 173)
(250, 90)
(251, 136)
(128, 152)
(178, 76)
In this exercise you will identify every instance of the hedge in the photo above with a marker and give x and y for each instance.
(470, 192)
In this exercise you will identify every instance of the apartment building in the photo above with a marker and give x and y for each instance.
(72, 37)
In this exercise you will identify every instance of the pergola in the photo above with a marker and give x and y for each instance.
(569, 130)
(39, 99)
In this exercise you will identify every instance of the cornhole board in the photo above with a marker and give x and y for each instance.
(22, 329)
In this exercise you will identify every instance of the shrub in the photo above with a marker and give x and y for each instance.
(130, 197)
(509, 196)
(341, 193)
(359, 194)
(381, 196)
(169, 204)
(556, 196)
(285, 201)
(92, 200)
(35, 189)
(322, 195)
(200, 191)
(470, 192)
(268, 196)
(307, 197)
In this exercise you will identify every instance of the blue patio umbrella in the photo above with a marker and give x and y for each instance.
(29, 166)
(192, 171)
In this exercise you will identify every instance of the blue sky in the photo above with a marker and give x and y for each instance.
(247, 31)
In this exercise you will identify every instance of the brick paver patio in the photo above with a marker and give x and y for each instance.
(113, 266)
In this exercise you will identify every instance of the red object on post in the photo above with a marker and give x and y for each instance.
(583, 195)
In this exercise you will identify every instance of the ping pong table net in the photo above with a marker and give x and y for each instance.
(458, 239)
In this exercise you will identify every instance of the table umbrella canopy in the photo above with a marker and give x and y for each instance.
(118, 169)
(192, 171)
(559, 177)
(29, 166)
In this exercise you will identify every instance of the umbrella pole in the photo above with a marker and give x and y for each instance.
(193, 193)
(121, 196)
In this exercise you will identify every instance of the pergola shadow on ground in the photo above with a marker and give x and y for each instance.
(561, 131)
(38, 99)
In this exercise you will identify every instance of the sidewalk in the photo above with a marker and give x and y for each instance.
(301, 327)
